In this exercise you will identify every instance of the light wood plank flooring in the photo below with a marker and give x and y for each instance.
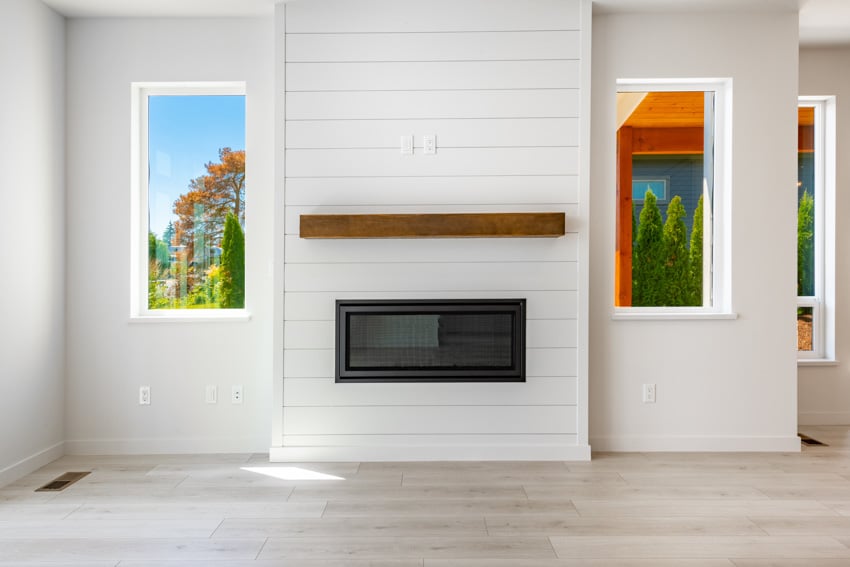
(625, 509)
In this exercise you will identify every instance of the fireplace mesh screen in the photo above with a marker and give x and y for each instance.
(444, 341)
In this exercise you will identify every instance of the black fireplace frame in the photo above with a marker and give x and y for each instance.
(515, 373)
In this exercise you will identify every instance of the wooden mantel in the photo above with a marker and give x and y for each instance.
(435, 225)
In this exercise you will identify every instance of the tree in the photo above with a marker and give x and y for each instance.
(696, 256)
(648, 256)
(805, 245)
(676, 285)
(232, 265)
(202, 210)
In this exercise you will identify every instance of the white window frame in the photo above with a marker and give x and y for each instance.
(139, 93)
(823, 301)
(717, 239)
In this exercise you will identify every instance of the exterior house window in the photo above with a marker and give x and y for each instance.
(189, 189)
(816, 228)
(672, 198)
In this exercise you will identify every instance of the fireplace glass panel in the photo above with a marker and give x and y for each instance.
(426, 340)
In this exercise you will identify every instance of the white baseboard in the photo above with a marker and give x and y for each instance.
(823, 418)
(692, 444)
(165, 446)
(30, 464)
(430, 453)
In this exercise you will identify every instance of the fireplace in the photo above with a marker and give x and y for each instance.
(464, 340)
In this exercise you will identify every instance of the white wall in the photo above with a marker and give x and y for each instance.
(824, 391)
(498, 82)
(108, 357)
(721, 385)
(32, 227)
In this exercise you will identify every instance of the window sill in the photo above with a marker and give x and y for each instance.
(817, 362)
(230, 316)
(670, 314)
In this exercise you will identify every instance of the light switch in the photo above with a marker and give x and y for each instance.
(407, 145)
(429, 144)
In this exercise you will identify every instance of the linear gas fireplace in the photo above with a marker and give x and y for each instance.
(430, 340)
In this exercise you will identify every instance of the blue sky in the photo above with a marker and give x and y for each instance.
(184, 134)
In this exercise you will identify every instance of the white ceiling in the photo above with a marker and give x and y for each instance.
(822, 22)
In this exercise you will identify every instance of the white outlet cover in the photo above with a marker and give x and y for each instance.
(236, 396)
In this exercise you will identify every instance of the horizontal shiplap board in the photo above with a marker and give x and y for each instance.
(453, 46)
(382, 250)
(292, 219)
(430, 75)
(447, 162)
(336, 16)
(458, 420)
(478, 191)
(390, 440)
(319, 363)
(385, 105)
(431, 276)
(540, 333)
(320, 306)
(534, 392)
(457, 133)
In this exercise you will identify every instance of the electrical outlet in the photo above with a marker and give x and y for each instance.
(649, 393)
(212, 394)
(236, 394)
(144, 395)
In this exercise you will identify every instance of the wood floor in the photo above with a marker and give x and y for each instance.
(633, 509)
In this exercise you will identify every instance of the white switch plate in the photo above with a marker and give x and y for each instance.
(649, 393)
(429, 144)
(212, 394)
(236, 394)
(144, 395)
(407, 145)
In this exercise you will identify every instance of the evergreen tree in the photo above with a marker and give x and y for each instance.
(805, 245)
(648, 256)
(696, 256)
(232, 265)
(676, 287)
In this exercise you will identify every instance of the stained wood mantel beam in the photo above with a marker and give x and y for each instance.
(449, 225)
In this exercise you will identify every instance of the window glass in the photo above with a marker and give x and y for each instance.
(195, 201)
(665, 186)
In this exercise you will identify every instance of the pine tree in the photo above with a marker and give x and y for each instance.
(676, 288)
(648, 256)
(232, 265)
(695, 298)
(805, 245)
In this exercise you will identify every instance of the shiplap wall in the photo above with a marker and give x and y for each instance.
(498, 83)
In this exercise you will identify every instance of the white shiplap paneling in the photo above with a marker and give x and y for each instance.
(498, 83)
(431, 76)
(447, 192)
(319, 363)
(319, 306)
(357, 162)
(457, 133)
(535, 392)
(383, 105)
(364, 16)
(453, 46)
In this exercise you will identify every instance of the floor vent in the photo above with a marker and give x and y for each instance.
(62, 482)
(809, 441)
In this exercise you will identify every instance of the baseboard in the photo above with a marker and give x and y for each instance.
(429, 453)
(823, 418)
(30, 464)
(178, 446)
(686, 444)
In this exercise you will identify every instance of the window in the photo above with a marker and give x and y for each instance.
(816, 228)
(671, 257)
(189, 199)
